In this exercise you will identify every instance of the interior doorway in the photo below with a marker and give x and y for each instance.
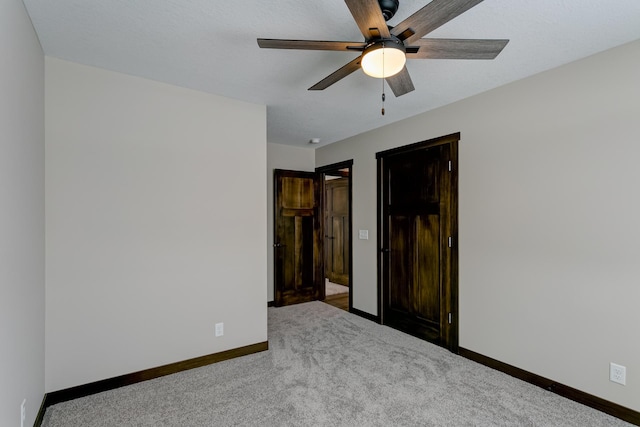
(313, 260)
(337, 231)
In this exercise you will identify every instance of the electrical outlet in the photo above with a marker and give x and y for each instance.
(618, 374)
(23, 412)
(219, 329)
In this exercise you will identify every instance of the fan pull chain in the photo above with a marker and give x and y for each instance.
(383, 97)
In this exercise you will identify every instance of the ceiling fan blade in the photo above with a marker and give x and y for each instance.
(368, 16)
(457, 49)
(432, 16)
(310, 45)
(337, 75)
(400, 83)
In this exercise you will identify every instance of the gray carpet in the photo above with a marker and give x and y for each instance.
(331, 288)
(326, 367)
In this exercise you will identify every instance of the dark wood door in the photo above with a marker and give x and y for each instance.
(337, 231)
(419, 211)
(298, 240)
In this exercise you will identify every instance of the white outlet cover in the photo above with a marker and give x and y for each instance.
(363, 234)
(618, 373)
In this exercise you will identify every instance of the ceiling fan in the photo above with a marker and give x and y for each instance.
(386, 48)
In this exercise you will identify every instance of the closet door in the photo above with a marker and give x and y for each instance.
(418, 216)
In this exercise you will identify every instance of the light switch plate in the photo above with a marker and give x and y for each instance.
(219, 329)
(363, 235)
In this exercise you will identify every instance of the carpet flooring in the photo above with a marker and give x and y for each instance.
(327, 367)
(334, 288)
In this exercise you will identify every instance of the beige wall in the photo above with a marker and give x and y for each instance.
(281, 156)
(22, 260)
(155, 226)
(549, 208)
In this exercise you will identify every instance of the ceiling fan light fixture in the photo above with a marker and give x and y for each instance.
(383, 58)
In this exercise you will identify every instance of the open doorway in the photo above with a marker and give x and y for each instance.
(337, 228)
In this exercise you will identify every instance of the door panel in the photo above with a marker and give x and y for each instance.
(400, 297)
(298, 246)
(418, 215)
(337, 246)
(427, 269)
(298, 192)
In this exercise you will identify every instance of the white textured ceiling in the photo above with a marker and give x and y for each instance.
(210, 45)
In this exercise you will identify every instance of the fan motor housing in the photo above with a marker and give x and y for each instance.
(393, 42)
(389, 8)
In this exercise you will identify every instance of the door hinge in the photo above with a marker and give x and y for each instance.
(450, 242)
(449, 165)
(449, 318)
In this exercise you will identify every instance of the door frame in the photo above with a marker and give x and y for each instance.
(449, 262)
(326, 170)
